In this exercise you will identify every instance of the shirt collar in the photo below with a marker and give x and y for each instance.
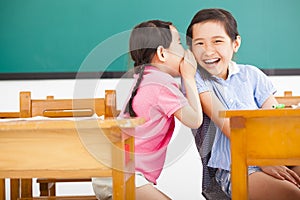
(232, 69)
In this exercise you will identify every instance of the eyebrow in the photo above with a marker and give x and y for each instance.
(214, 37)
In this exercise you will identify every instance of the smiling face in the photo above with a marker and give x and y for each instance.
(213, 48)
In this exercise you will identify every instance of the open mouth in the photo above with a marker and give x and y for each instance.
(211, 61)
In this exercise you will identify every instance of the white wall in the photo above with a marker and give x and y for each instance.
(182, 174)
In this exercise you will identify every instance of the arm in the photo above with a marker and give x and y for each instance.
(191, 115)
(269, 102)
(211, 106)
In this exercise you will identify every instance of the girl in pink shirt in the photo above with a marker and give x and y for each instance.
(158, 57)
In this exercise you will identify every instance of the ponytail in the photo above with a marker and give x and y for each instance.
(129, 108)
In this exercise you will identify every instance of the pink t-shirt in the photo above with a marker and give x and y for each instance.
(157, 99)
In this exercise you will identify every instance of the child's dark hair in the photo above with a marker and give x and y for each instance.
(217, 15)
(144, 40)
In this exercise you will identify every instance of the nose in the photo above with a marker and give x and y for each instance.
(209, 49)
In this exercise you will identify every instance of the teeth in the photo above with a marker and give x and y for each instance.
(210, 61)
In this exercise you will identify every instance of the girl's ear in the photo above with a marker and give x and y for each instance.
(161, 53)
(237, 43)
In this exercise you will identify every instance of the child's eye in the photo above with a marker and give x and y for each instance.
(218, 41)
(199, 43)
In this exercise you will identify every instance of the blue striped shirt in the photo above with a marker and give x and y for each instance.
(245, 88)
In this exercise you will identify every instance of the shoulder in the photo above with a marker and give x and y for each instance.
(250, 72)
(255, 75)
(159, 79)
(250, 69)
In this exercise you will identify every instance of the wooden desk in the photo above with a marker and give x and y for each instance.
(73, 149)
(261, 137)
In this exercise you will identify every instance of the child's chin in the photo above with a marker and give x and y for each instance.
(176, 74)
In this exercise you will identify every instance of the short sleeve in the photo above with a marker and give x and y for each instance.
(200, 83)
(263, 86)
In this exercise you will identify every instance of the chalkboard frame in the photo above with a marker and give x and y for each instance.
(107, 75)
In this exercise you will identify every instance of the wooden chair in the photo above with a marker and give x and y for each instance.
(51, 107)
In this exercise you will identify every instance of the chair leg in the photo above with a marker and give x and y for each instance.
(44, 189)
(20, 188)
(14, 189)
(47, 189)
(52, 189)
(2, 189)
(26, 187)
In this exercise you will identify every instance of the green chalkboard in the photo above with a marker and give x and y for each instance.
(58, 36)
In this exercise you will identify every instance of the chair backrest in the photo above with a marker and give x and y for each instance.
(51, 107)
(288, 99)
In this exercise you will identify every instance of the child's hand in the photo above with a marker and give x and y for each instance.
(282, 173)
(188, 66)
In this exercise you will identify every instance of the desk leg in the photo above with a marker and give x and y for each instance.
(123, 168)
(130, 183)
(117, 173)
(239, 169)
(2, 189)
